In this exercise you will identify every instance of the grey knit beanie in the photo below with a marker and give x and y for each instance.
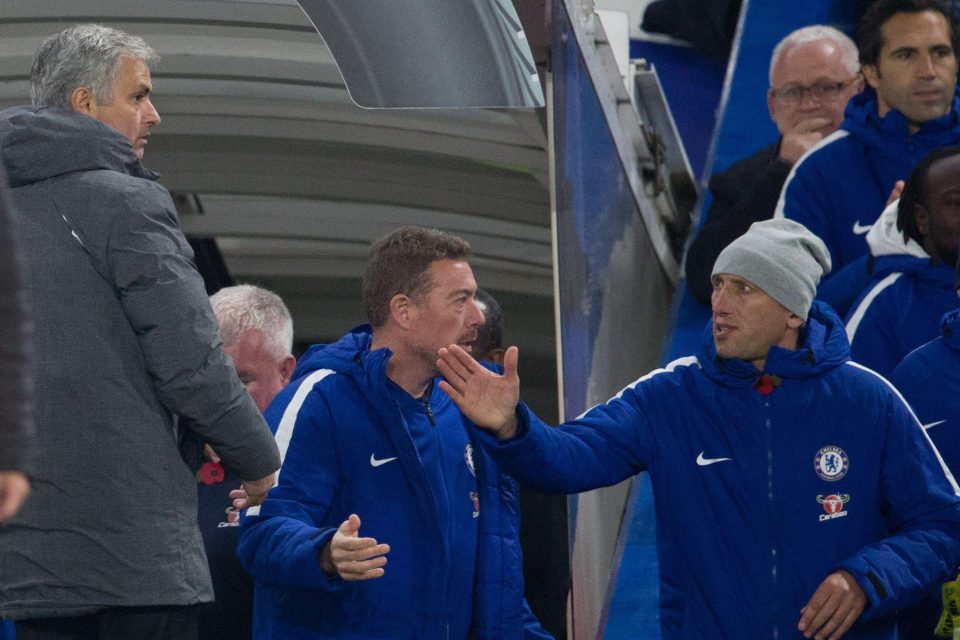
(781, 257)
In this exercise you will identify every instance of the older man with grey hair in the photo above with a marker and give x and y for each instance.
(257, 333)
(125, 343)
(814, 72)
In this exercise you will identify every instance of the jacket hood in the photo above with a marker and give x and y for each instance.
(344, 355)
(895, 255)
(885, 240)
(823, 346)
(861, 120)
(38, 143)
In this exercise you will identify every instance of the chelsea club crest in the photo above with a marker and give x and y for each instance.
(831, 463)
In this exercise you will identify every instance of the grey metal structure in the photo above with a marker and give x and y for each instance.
(429, 53)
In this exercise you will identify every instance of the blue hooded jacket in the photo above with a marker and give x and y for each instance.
(347, 449)
(840, 187)
(929, 378)
(901, 307)
(760, 497)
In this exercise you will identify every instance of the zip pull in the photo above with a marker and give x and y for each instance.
(425, 399)
(426, 405)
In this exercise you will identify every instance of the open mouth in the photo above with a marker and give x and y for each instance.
(722, 329)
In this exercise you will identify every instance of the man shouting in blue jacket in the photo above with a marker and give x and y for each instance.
(378, 465)
(795, 490)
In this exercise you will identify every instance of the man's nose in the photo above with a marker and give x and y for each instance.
(927, 66)
(478, 318)
(151, 115)
(719, 299)
(808, 100)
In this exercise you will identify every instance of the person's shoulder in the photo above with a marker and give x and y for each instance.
(837, 146)
(679, 373)
(925, 361)
(863, 384)
(759, 158)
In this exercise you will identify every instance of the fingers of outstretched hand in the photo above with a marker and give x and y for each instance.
(457, 362)
(455, 380)
(356, 558)
(511, 359)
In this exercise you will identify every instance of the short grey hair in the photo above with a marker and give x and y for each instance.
(819, 33)
(244, 307)
(86, 55)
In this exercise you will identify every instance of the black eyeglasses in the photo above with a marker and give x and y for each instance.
(820, 92)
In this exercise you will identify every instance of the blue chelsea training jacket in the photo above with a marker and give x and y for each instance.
(347, 449)
(839, 188)
(760, 497)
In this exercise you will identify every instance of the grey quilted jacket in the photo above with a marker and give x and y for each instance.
(125, 343)
(16, 409)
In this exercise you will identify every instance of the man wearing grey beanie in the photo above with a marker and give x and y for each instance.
(795, 491)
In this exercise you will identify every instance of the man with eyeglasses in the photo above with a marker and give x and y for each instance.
(814, 71)
(908, 51)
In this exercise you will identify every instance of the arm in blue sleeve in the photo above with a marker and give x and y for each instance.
(608, 444)
(280, 541)
(923, 512)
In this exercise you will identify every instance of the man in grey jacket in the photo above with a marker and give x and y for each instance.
(125, 344)
(16, 415)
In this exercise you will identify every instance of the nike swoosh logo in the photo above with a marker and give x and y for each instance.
(703, 462)
(861, 229)
(932, 424)
(376, 463)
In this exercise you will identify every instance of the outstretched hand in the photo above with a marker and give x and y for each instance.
(352, 557)
(488, 399)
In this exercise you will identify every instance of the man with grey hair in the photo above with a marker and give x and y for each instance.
(814, 72)
(795, 489)
(257, 334)
(126, 352)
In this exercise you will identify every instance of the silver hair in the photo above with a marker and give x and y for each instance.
(818, 33)
(244, 307)
(86, 55)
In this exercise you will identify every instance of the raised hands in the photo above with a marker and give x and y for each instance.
(352, 557)
(488, 399)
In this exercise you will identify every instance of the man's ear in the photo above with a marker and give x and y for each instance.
(402, 310)
(922, 218)
(795, 322)
(82, 101)
(286, 368)
(871, 75)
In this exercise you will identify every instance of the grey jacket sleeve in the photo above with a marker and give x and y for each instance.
(16, 406)
(164, 299)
